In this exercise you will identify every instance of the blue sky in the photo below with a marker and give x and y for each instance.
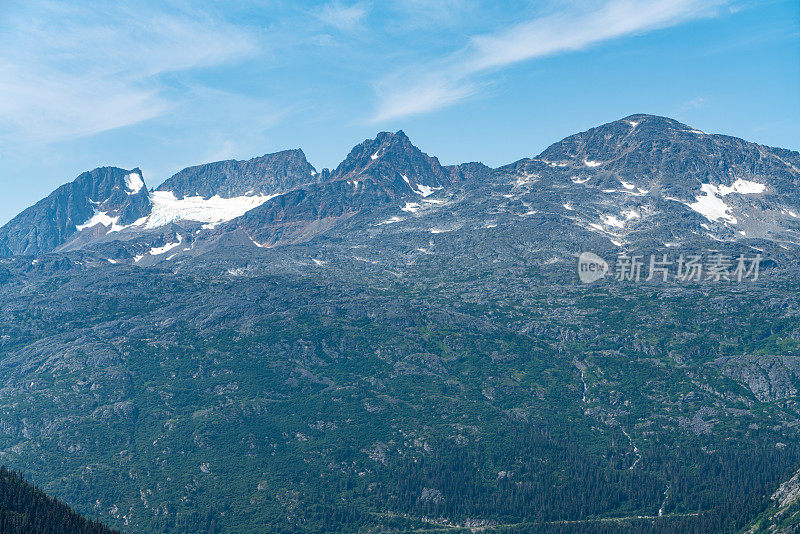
(166, 84)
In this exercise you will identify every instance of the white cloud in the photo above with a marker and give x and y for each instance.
(429, 93)
(70, 71)
(577, 27)
(343, 17)
(693, 103)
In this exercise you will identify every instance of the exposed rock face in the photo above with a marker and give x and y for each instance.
(266, 175)
(770, 378)
(299, 215)
(650, 180)
(391, 158)
(657, 153)
(787, 492)
(469, 172)
(120, 194)
(375, 173)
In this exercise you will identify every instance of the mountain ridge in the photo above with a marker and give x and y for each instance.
(279, 198)
(273, 172)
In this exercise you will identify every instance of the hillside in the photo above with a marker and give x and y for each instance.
(401, 345)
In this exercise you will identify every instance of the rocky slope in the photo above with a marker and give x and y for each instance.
(108, 196)
(265, 175)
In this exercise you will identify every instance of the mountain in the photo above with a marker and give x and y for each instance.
(103, 199)
(375, 173)
(640, 181)
(25, 509)
(392, 159)
(643, 174)
(109, 206)
(368, 353)
(265, 175)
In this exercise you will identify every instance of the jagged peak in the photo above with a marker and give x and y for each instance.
(270, 173)
(386, 151)
(100, 183)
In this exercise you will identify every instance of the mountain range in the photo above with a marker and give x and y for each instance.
(624, 180)
(401, 345)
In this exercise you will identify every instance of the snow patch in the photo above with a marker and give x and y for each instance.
(630, 214)
(411, 207)
(440, 230)
(259, 245)
(567, 206)
(713, 208)
(743, 187)
(212, 211)
(391, 220)
(627, 185)
(425, 190)
(156, 251)
(525, 179)
(102, 218)
(134, 183)
(612, 220)
(554, 163)
(590, 163)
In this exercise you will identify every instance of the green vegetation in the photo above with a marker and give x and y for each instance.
(280, 404)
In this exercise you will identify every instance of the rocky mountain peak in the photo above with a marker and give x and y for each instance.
(103, 182)
(391, 158)
(657, 153)
(265, 175)
(106, 196)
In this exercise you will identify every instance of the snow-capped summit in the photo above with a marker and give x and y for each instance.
(106, 197)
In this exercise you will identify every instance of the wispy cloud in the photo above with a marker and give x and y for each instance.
(424, 88)
(426, 13)
(70, 71)
(343, 17)
(694, 103)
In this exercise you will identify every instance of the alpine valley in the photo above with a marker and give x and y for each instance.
(398, 345)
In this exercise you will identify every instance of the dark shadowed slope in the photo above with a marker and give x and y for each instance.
(25, 509)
